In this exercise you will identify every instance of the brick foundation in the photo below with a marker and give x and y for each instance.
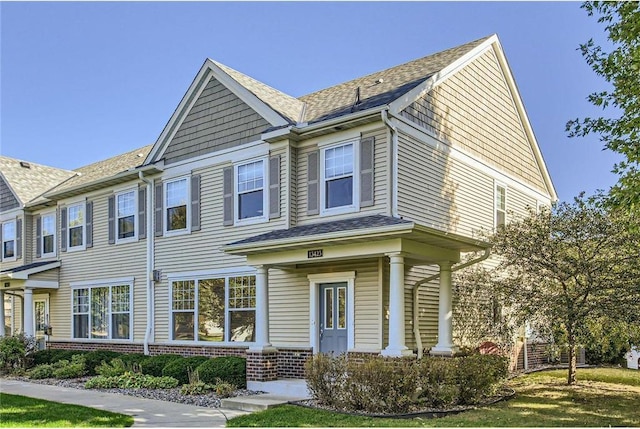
(262, 365)
(165, 349)
(291, 362)
(121, 348)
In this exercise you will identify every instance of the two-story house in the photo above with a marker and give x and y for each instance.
(275, 227)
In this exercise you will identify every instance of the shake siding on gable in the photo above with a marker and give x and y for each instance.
(474, 110)
(8, 201)
(380, 175)
(101, 262)
(218, 120)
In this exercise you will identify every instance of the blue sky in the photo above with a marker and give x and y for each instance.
(81, 82)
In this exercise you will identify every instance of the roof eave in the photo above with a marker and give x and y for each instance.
(474, 244)
(24, 275)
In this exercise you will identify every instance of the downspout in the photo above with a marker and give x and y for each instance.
(393, 165)
(416, 289)
(150, 242)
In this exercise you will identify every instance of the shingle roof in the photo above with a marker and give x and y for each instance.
(30, 182)
(338, 100)
(288, 107)
(105, 168)
(28, 267)
(353, 224)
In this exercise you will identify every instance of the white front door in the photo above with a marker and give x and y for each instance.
(40, 320)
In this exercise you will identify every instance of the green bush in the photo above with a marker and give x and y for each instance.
(154, 365)
(478, 375)
(16, 352)
(112, 369)
(230, 369)
(133, 358)
(197, 388)
(95, 358)
(49, 356)
(179, 368)
(74, 369)
(131, 380)
(41, 371)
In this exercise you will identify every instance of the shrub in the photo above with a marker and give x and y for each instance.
(131, 380)
(74, 369)
(224, 389)
(179, 368)
(154, 365)
(41, 371)
(230, 369)
(16, 352)
(49, 356)
(478, 376)
(438, 386)
(133, 358)
(95, 358)
(197, 388)
(325, 377)
(112, 369)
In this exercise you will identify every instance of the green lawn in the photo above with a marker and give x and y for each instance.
(602, 397)
(22, 411)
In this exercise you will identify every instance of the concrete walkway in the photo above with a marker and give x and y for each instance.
(145, 412)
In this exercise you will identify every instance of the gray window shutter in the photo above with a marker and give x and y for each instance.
(158, 210)
(195, 202)
(313, 183)
(227, 191)
(274, 187)
(18, 238)
(38, 236)
(366, 171)
(89, 223)
(63, 229)
(142, 212)
(111, 215)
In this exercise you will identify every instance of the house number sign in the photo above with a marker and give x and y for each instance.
(317, 253)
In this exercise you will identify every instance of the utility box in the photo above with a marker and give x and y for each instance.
(633, 358)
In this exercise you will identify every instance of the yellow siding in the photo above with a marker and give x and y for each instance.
(474, 110)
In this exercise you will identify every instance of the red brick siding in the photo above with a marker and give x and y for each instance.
(291, 362)
(262, 366)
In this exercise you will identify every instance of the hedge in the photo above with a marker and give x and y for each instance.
(230, 369)
(155, 364)
(179, 368)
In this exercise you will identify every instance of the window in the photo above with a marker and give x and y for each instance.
(9, 240)
(102, 312)
(76, 225)
(250, 190)
(48, 238)
(126, 209)
(500, 205)
(337, 169)
(176, 198)
(215, 309)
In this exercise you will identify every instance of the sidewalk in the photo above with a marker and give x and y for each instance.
(145, 412)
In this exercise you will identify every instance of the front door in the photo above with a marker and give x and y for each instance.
(333, 318)
(40, 320)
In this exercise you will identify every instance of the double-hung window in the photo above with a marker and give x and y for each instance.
(102, 312)
(126, 209)
(251, 195)
(500, 201)
(9, 240)
(338, 179)
(48, 235)
(214, 309)
(176, 205)
(76, 225)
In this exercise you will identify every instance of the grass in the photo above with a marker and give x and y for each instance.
(602, 397)
(22, 411)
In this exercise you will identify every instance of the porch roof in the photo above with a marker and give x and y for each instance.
(23, 273)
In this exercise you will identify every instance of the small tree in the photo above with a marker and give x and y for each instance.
(571, 265)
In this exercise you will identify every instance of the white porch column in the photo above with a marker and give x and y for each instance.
(396, 345)
(445, 346)
(262, 308)
(27, 316)
(2, 330)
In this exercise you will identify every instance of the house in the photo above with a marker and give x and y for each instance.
(274, 227)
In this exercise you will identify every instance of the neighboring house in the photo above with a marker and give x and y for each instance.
(275, 227)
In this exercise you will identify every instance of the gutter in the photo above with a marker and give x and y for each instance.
(340, 120)
(393, 169)
(148, 333)
(416, 289)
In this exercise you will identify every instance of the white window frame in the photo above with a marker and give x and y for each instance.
(196, 278)
(355, 204)
(495, 203)
(15, 240)
(165, 207)
(265, 194)
(100, 284)
(55, 235)
(83, 207)
(135, 216)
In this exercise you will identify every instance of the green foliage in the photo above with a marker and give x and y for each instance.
(74, 369)
(112, 369)
(49, 356)
(621, 68)
(131, 380)
(196, 388)
(95, 358)
(230, 369)
(41, 371)
(155, 364)
(388, 385)
(606, 341)
(16, 352)
(133, 358)
(179, 368)
(224, 389)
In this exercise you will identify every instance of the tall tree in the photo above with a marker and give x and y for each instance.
(621, 68)
(571, 265)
